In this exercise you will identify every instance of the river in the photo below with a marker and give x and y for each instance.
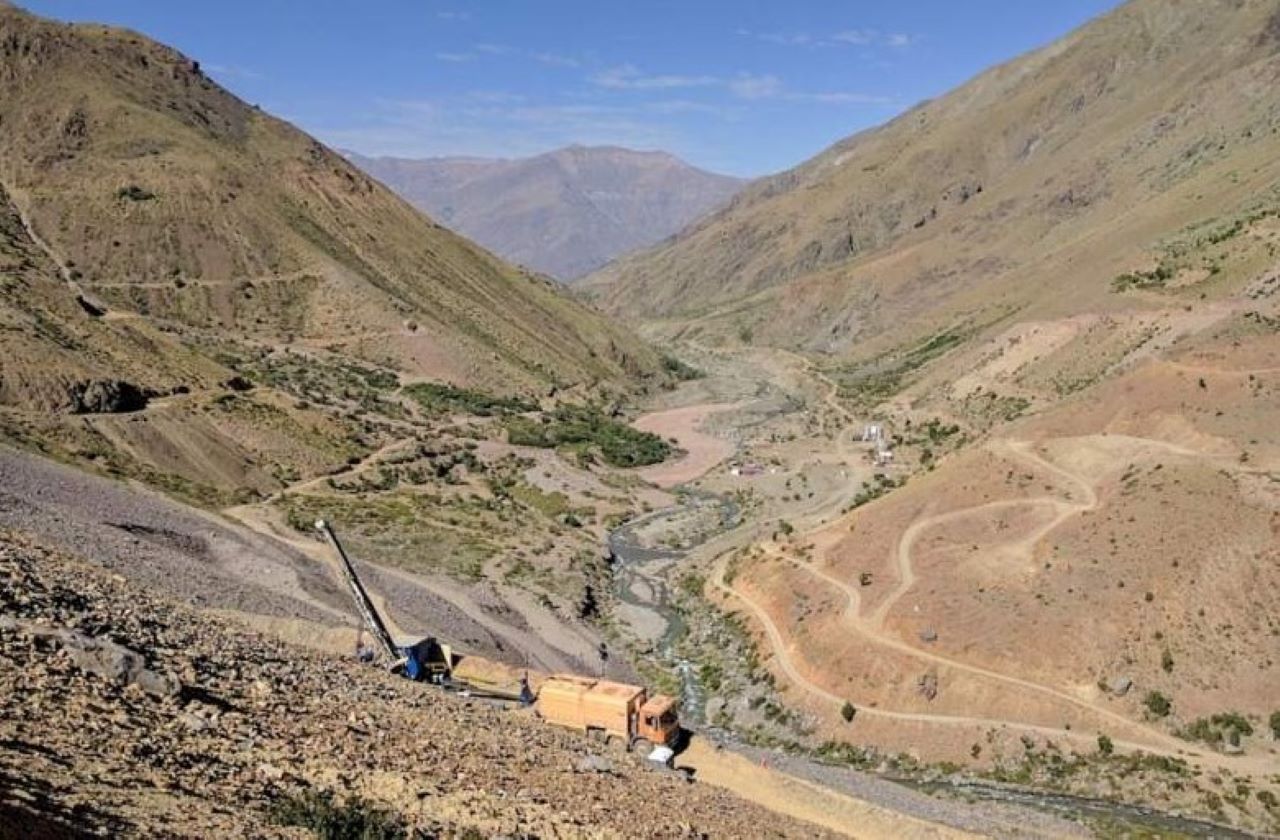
(644, 576)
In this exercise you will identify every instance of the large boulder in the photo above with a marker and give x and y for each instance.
(118, 664)
(106, 396)
(1119, 686)
(100, 656)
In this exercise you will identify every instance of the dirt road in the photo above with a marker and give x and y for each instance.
(794, 797)
(1082, 497)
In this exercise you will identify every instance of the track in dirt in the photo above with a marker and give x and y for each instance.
(871, 628)
(786, 663)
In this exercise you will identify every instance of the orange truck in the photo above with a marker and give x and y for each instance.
(611, 709)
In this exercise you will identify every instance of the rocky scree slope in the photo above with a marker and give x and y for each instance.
(230, 728)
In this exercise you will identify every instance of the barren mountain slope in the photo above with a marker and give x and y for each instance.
(565, 212)
(1032, 186)
(162, 194)
(1076, 538)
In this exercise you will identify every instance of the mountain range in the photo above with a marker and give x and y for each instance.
(960, 460)
(158, 235)
(563, 213)
(1029, 188)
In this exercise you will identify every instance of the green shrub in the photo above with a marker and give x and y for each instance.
(1158, 704)
(679, 369)
(354, 819)
(1274, 723)
(847, 711)
(1154, 279)
(1105, 745)
(1232, 722)
(619, 444)
(439, 398)
(1231, 726)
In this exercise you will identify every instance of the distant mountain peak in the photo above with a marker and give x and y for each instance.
(564, 212)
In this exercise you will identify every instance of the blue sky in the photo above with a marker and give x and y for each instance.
(739, 86)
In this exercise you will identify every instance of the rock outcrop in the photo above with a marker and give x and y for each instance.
(107, 396)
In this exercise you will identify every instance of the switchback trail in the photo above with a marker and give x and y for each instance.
(872, 629)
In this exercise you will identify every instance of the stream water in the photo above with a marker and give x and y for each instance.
(644, 575)
(1074, 807)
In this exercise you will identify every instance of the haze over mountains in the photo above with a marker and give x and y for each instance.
(563, 213)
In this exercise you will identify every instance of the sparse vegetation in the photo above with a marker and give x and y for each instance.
(679, 369)
(1157, 704)
(133, 192)
(874, 381)
(1156, 278)
(879, 485)
(327, 819)
(1228, 726)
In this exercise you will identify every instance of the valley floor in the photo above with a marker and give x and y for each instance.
(778, 623)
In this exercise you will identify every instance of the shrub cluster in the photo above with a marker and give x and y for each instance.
(580, 426)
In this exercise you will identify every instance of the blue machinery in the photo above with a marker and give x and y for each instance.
(426, 660)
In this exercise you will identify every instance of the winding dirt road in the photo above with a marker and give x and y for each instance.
(871, 628)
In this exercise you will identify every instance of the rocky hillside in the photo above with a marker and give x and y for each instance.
(197, 295)
(162, 195)
(190, 727)
(564, 213)
(1032, 187)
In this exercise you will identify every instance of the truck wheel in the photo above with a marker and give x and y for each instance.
(642, 745)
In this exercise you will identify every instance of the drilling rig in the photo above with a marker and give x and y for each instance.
(427, 659)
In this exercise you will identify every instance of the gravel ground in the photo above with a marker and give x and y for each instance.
(990, 819)
(205, 561)
(161, 544)
(257, 722)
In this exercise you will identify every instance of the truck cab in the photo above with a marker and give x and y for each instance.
(659, 722)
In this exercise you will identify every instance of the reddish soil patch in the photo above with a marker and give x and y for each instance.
(703, 450)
